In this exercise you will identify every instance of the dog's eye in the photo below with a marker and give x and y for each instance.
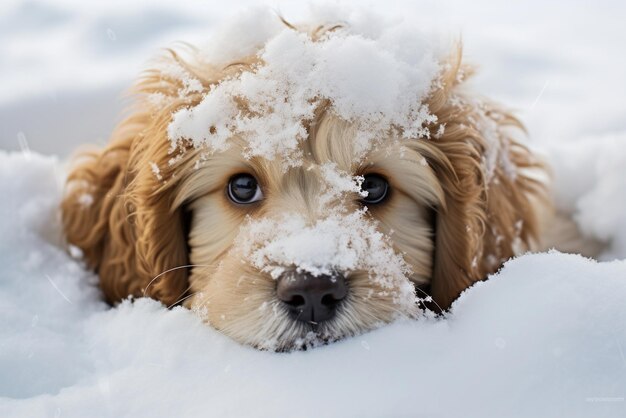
(243, 188)
(376, 187)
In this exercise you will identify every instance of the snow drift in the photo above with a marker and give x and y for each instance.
(544, 337)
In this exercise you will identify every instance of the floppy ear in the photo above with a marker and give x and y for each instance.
(117, 212)
(492, 185)
(119, 207)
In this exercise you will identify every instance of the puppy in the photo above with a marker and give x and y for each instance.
(287, 209)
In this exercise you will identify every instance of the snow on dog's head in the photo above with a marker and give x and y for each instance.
(311, 180)
(374, 82)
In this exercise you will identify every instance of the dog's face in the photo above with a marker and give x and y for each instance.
(327, 249)
(328, 239)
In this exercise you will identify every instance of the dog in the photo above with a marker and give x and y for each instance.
(323, 229)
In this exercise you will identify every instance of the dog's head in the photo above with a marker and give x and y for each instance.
(284, 228)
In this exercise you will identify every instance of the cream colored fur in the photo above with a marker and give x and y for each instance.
(453, 221)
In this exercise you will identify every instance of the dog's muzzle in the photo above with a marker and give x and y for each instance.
(311, 299)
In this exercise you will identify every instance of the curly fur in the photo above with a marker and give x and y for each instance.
(455, 221)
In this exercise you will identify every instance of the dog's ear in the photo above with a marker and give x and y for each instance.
(118, 212)
(492, 185)
(119, 206)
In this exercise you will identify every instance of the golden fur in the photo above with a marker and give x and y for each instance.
(454, 221)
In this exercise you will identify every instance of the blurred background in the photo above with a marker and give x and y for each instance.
(65, 64)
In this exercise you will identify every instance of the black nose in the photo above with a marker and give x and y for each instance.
(309, 298)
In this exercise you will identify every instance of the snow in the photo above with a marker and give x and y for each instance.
(595, 166)
(372, 81)
(541, 58)
(155, 170)
(338, 182)
(544, 337)
(339, 242)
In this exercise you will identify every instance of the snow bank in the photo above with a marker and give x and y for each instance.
(590, 183)
(546, 337)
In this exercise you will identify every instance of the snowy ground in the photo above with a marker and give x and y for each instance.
(546, 337)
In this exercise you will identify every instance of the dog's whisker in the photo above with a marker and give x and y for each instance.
(181, 297)
(429, 299)
(202, 304)
(170, 270)
(184, 298)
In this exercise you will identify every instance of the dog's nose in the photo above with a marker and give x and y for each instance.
(309, 298)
